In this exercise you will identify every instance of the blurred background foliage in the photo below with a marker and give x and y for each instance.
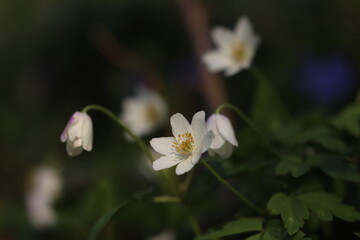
(52, 63)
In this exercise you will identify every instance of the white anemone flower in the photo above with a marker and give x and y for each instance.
(224, 139)
(236, 49)
(45, 188)
(78, 134)
(187, 145)
(145, 112)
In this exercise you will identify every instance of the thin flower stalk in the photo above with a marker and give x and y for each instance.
(232, 189)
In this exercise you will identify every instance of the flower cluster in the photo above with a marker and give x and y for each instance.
(184, 149)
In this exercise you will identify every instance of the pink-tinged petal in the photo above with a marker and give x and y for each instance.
(216, 60)
(218, 140)
(198, 126)
(184, 166)
(223, 38)
(64, 134)
(226, 129)
(225, 151)
(166, 162)
(179, 124)
(75, 130)
(162, 145)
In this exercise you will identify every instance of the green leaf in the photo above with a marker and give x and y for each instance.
(257, 236)
(293, 165)
(349, 120)
(274, 231)
(325, 205)
(235, 227)
(299, 235)
(293, 211)
(322, 136)
(335, 167)
(105, 219)
(357, 234)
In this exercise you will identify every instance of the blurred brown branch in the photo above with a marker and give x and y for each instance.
(196, 18)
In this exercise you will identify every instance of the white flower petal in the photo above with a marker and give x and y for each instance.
(162, 145)
(234, 68)
(218, 140)
(77, 143)
(195, 158)
(206, 141)
(74, 130)
(184, 166)
(87, 133)
(243, 28)
(144, 112)
(179, 124)
(198, 126)
(222, 37)
(225, 151)
(226, 129)
(166, 162)
(71, 150)
(216, 60)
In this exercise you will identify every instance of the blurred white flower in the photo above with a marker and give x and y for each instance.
(78, 134)
(224, 139)
(187, 145)
(45, 188)
(167, 234)
(144, 112)
(236, 49)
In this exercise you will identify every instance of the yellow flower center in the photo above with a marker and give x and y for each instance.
(151, 113)
(184, 143)
(238, 52)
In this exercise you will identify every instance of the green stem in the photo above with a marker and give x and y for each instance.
(167, 199)
(195, 225)
(123, 125)
(145, 149)
(232, 189)
(192, 220)
(244, 117)
(258, 74)
(251, 124)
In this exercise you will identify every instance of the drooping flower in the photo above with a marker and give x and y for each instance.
(187, 145)
(45, 188)
(144, 112)
(236, 49)
(224, 139)
(78, 134)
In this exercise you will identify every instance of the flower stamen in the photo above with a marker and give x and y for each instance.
(238, 52)
(184, 143)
